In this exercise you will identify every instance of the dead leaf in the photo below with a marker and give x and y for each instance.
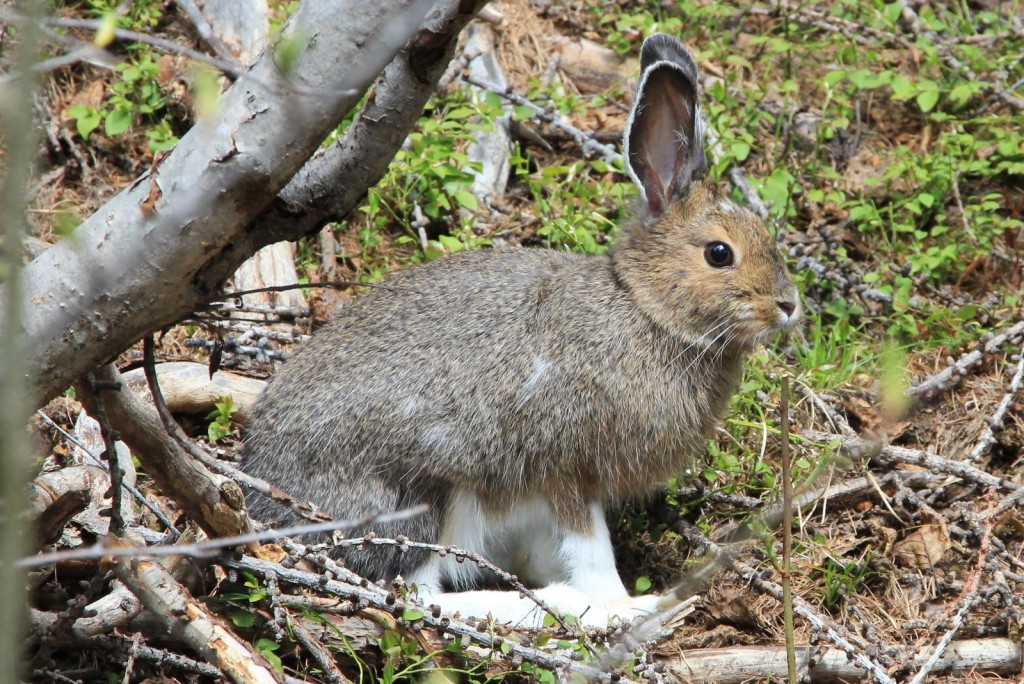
(270, 552)
(91, 95)
(922, 548)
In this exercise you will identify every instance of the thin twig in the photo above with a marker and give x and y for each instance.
(207, 548)
(231, 67)
(995, 422)
(157, 656)
(970, 595)
(787, 534)
(859, 448)
(949, 376)
(110, 438)
(586, 142)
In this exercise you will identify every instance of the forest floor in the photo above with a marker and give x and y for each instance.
(884, 144)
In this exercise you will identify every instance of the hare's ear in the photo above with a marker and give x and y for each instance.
(664, 142)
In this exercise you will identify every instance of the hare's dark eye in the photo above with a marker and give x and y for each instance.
(718, 255)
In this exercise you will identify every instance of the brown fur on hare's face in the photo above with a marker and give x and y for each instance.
(708, 271)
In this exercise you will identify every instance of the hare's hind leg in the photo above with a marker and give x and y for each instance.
(576, 569)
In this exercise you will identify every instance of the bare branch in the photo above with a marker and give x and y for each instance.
(949, 376)
(586, 142)
(184, 219)
(859, 448)
(190, 621)
(996, 421)
(207, 548)
(17, 141)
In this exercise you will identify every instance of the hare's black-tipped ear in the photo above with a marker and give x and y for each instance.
(664, 142)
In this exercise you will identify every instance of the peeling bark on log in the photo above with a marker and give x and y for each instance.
(743, 663)
(189, 621)
(272, 266)
(241, 25)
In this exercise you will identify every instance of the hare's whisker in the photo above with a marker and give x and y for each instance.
(727, 331)
(722, 321)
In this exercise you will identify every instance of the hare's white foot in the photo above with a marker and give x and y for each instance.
(509, 608)
(592, 611)
(575, 568)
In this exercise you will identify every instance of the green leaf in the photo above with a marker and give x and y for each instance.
(240, 618)
(967, 312)
(834, 77)
(902, 88)
(412, 614)
(267, 647)
(117, 121)
(927, 100)
(643, 584)
(452, 244)
(522, 113)
(740, 150)
(86, 119)
(465, 199)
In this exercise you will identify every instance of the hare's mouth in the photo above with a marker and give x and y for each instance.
(763, 331)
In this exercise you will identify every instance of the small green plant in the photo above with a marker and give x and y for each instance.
(843, 578)
(244, 617)
(220, 426)
(133, 96)
(267, 649)
(139, 15)
(257, 592)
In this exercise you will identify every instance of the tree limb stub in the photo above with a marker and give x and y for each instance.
(210, 499)
(161, 247)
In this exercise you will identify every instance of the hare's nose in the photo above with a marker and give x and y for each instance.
(787, 307)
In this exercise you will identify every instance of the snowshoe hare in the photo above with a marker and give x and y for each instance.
(519, 391)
